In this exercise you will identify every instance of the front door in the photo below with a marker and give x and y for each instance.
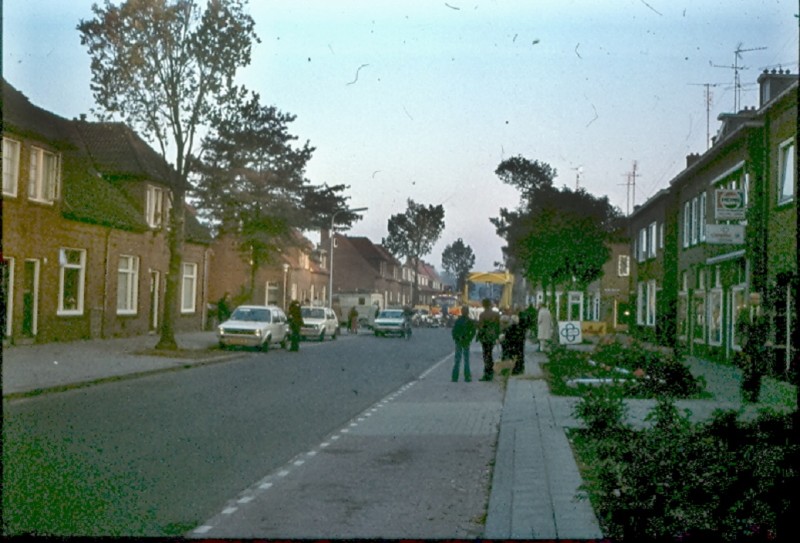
(155, 287)
(30, 298)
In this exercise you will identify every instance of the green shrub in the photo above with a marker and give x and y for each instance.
(601, 409)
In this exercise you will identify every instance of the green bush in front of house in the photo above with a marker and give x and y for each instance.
(723, 480)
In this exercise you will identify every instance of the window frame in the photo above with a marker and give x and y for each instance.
(687, 220)
(192, 277)
(13, 160)
(36, 176)
(157, 206)
(131, 284)
(623, 265)
(783, 171)
(652, 235)
(63, 265)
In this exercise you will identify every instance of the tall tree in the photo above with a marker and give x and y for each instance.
(163, 67)
(412, 235)
(557, 236)
(458, 259)
(251, 182)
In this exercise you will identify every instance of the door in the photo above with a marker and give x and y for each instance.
(30, 298)
(7, 267)
(155, 289)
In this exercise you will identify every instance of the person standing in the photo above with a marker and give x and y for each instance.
(488, 332)
(224, 308)
(544, 324)
(515, 342)
(463, 333)
(352, 317)
(295, 319)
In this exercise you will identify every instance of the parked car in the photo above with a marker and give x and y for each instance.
(256, 326)
(319, 322)
(392, 321)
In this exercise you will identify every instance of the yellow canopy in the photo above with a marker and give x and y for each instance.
(498, 278)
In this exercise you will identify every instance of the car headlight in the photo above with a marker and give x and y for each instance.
(258, 332)
(221, 331)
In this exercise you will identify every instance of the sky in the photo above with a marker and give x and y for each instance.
(424, 99)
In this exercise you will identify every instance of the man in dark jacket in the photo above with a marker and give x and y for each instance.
(463, 333)
(488, 333)
(514, 342)
(295, 318)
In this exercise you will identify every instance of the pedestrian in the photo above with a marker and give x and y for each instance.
(515, 342)
(463, 333)
(295, 319)
(488, 332)
(352, 318)
(544, 323)
(224, 308)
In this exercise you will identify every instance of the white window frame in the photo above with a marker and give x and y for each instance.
(43, 185)
(694, 229)
(651, 302)
(687, 222)
(701, 220)
(641, 254)
(623, 265)
(714, 322)
(786, 150)
(652, 234)
(9, 301)
(11, 154)
(64, 265)
(188, 286)
(157, 205)
(661, 236)
(271, 287)
(128, 285)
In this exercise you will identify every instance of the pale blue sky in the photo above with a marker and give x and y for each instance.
(423, 99)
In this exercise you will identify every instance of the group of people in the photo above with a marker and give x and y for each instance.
(487, 331)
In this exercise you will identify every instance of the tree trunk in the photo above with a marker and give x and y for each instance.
(175, 238)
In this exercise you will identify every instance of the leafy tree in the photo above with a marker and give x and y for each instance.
(556, 236)
(251, 182)
(458, 259)
(164, 67)
(412, 235)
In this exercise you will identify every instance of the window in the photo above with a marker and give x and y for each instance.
(687, 223)
(271, 293)
(188, 287)
(7, 268)
(715, 317)
(156, 206)
(695, 216)
(10, 167)
(651, 303)
(127, 285)
(786, 173)
(651, 239)
(71, 276)
(624, 265)
(642, 245)
(43, 176)
(641, 299)
(701, 218)
(661, 236)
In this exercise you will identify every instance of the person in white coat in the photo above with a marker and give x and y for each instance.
(544, 323)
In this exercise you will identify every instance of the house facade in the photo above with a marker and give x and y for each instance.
(85, 209)
(729, 236)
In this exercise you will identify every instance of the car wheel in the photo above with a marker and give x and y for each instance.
(222, 346)
(335, 333)
(264, 347)
(322, 336)
(283, 343)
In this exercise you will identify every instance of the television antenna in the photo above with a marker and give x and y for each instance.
(737, 56)
(578, 172)
(709, 98)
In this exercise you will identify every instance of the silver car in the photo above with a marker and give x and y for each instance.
(392, 321)
(318, 322)
(256, 326)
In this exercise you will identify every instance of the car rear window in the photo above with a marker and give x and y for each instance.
(313, 313)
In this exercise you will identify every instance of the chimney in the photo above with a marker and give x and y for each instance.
(772, 83)
(691, 158)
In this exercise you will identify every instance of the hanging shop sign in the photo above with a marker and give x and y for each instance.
(729, 205)
(725, 234)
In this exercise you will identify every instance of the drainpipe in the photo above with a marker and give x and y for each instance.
(105, 288)
(204, 310)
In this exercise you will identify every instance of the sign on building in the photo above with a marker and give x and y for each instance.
(729, 205)
(570, 333)
(725, 234)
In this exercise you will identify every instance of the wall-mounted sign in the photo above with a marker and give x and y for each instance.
(729, 205)
(570, 333)
(725, 234)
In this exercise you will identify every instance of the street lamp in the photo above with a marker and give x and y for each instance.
(285, 272)
(330, 266)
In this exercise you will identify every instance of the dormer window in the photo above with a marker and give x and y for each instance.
(43, 176)
(156, 206)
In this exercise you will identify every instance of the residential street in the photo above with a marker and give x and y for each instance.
(161, 454)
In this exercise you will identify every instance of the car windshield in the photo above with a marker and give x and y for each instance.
(313, 313)
(390, 315)
(254, 314)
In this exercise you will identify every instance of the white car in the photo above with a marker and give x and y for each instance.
(318, 322)
(256, 326)
(392, 321)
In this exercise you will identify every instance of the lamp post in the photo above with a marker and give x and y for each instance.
(285, 272)
(330, 266)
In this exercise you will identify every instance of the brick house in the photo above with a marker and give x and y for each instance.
(729, 237)
(299, 272)
(84, 213)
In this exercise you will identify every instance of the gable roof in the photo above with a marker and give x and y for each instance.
(22, 117)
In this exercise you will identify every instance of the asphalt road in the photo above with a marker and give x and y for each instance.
(157, 455)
